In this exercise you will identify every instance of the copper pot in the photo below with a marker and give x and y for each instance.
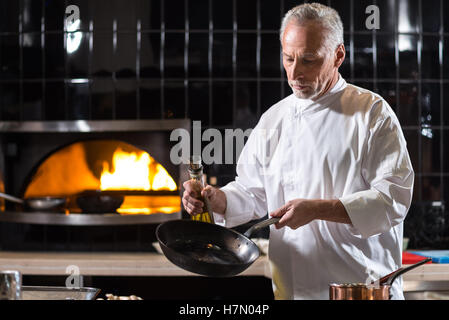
(378, 290)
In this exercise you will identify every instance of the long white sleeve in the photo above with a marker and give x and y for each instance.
(387, 169)
(246, 198)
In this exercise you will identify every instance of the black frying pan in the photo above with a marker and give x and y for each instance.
(99, 202)
(208, 249)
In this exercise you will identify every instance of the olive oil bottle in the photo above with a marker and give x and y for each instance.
(196, 175)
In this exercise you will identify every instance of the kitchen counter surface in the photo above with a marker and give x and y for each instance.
(105, 264)
(147, 264)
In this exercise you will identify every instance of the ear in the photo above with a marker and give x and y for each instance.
(340, 54)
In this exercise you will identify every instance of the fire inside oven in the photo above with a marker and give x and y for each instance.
(105, 167)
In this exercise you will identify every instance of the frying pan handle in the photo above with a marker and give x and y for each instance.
(10, 198)
(260, 225)
(388, 279)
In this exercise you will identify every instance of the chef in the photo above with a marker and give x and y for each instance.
(331, 161)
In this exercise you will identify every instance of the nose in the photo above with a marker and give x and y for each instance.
(295, 71)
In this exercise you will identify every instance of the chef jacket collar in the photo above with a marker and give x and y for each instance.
(303, 105)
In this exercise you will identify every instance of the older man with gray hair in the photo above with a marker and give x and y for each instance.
(337, 174)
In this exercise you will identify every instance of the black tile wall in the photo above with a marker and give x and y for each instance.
(219, 62)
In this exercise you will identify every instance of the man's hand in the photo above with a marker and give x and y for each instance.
(192, 193)
(299, 212)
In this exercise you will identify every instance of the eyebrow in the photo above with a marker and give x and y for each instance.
(305, 55)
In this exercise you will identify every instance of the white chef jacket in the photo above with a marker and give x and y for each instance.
(347, 145)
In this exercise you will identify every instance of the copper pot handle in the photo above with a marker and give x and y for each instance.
(389, 278)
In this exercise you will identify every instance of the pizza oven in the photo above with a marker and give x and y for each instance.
(123, 163)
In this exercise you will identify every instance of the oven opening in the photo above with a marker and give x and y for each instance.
(106, 167)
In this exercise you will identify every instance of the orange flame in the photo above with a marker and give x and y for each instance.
(68, 172)
(132, 171)
(162, 180)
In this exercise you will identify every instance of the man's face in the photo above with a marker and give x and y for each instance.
(310, 67)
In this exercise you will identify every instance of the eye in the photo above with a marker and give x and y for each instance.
(288, 59)
(307, 61)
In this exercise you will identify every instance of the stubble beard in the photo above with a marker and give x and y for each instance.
(310, 93)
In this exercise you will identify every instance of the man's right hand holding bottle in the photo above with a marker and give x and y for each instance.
(193, 193)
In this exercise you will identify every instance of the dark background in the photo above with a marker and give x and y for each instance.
(219, 62)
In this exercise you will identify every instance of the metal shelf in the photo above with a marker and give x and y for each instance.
(94, 125)
(83, 219)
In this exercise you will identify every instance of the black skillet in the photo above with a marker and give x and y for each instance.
(208, 249)
(99, 202)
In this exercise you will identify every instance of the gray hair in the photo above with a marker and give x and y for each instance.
(326, 16)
